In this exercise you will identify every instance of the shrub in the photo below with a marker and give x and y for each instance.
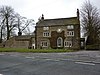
(92, 47)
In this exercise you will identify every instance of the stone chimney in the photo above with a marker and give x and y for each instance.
(42, 18)
(78, 14)
(19, 33)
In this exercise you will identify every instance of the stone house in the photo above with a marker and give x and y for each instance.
(50, 33)
(23, 41)
(58, 33)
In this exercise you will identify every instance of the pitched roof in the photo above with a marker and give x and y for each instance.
(58, 21)
(24, 37)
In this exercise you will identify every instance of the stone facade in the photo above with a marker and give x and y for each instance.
(24, 41)
(58, 33)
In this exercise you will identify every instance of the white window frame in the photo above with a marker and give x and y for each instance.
(46, 34)
(59, 43)
(45, 28)
(44, 44)
(68, 44)
(70, 27)
(70, 33)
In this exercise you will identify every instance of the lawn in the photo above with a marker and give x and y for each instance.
(34, 50)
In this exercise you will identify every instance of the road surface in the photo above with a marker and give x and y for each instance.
(72, 63)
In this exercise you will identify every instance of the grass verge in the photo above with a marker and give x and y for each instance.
(34, 50)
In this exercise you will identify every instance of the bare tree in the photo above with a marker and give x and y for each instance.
(11, 22)
(2, 28)
(90, 23)
(7, 14)
(20, 21)
(28, 27)
(24, 25)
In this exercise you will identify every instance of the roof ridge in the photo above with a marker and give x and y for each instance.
(60, 18)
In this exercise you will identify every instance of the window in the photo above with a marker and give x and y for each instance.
(46, 34)
(70, 27)
(59, 42)
(44, 44)
(45, 28)
(70, 33)
(68, 43)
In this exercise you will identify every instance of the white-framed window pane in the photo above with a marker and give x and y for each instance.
(45, 28)
(70, 27)
(46, 34)
(59, 42)
(70, 33)
(68, 44)
(44, 44)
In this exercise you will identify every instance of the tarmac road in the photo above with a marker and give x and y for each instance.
(72, 63)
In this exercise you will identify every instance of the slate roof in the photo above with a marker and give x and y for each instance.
(24, 37)
(58, 21)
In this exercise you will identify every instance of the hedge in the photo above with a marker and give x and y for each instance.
(34, 50)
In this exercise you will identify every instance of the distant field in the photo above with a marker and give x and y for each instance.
(34, 50)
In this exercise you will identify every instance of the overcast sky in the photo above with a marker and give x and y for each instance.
(33, 9)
